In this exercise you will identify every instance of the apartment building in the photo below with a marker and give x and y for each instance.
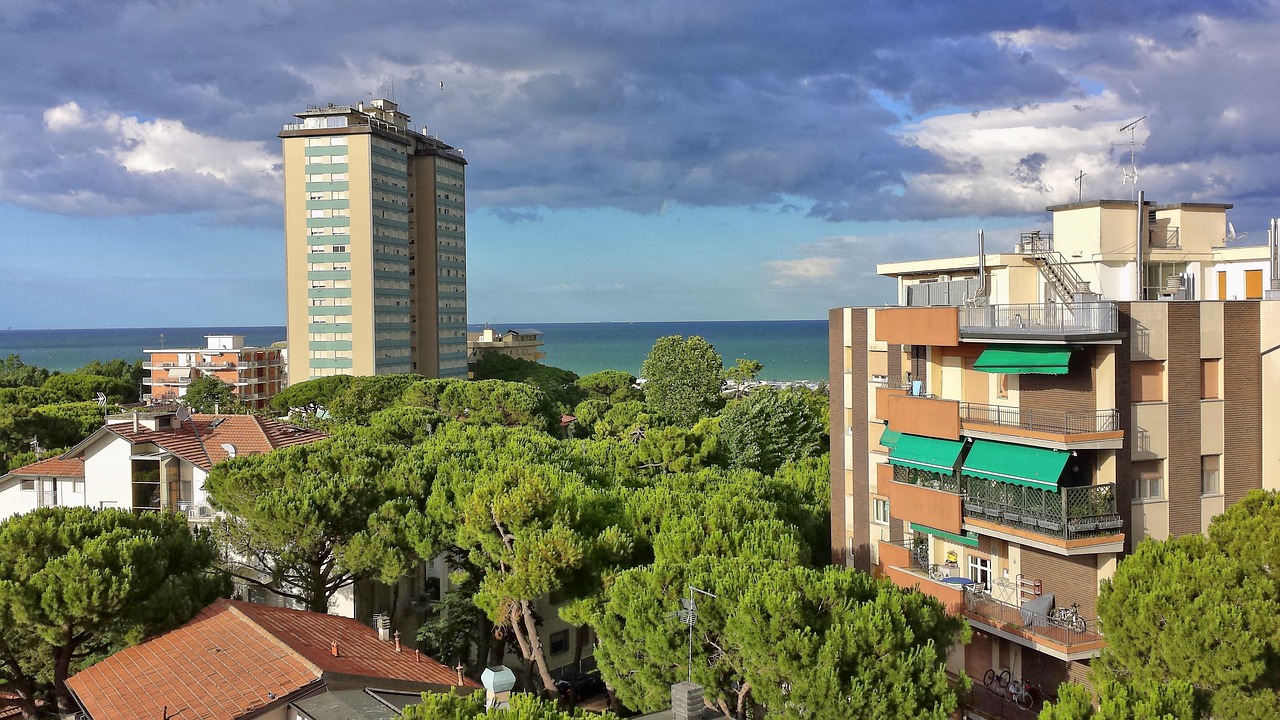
(375, 245)
(519, 343)
(255, 374)
(1023, 418)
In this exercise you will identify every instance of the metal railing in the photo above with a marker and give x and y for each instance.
(1167, 237)
(197, 512)
(1035, 241)
(1041, 420)
(930, 480)
(1087, 318)
(949, 293)
(998, 613)
(1067, 513)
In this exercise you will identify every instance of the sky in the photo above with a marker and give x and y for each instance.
(648, 160)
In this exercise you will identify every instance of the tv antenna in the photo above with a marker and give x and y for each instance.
(688, 615)
(1080, 185)
(1131, 172)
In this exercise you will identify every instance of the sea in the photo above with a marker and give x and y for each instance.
(791, 350)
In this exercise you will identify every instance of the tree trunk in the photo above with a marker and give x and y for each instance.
(743, 692)
(539, 657)
(61, 669)
(582, 635)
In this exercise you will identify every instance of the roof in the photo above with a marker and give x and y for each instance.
(199, 441)
(360, 652)
(52, 467)
(219, 665)
(526, 331)
(235, 658)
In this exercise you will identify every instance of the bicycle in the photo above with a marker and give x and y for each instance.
(1069, 618)
(1023, 693)
(996, 680)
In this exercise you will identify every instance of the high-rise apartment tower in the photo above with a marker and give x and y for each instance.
(375, 245)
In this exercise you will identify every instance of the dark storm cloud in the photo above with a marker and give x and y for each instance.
(578, 104)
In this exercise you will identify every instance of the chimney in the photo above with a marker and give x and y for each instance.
(135, 421)
(397, 636)
(686, 701)
(333, 648)
(382, 623)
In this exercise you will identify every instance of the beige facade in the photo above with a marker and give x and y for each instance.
(519, 343)
(375, 245)
(1003, 455)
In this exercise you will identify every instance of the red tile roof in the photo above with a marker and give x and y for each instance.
(200, 439)
(52, 467)
(236, 657)
(360, 652)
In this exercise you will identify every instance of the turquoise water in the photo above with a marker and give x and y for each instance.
(789, 349)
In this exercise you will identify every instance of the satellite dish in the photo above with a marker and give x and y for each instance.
(231, 449)
(184, 413)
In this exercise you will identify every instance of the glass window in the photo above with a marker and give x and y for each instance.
(1211, 475)
(980, 570)
(880, 510)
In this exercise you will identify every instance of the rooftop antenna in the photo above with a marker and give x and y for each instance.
(1080, 186)
(1131, 172)
(688, 615)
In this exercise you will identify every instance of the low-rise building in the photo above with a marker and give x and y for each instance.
(243, 660)
(146, 461)
(1004, 436)
(519, 343)
(255, 374)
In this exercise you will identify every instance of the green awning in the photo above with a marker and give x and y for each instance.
(1020, 464)
(889, 438)
(1024, 359)
(969, 538)
(927, 454)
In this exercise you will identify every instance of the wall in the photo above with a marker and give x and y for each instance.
(1269, 316)
(108, 472)
(1242, 392)
(1071, 579)
(1182, 372)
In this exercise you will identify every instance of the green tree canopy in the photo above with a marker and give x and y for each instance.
(610, 386)
(558, 385)
(484, 402)
(1201, 610)
(523, 706)
(742, 372)
(80, 387)
(1174, 700)
(76, 582)
(304, 522)
(683, 379)
(15, 373)
(310, 395)
(769, 428)
(208, 394)
(366, 395)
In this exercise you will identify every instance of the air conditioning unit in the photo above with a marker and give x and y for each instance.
(944, 278)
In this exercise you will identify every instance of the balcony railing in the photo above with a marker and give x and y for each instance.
(931, 480)
(197, 512)
(1064, 422)
(947, 293)
(1053, 319)
(1068, 513)
(1035, 626)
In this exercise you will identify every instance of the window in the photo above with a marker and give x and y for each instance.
(1147, 381)
(980, 570)
(880, 511)
(28, 485)
(1148, 480)
(1211, 475)
(560, 642)
(1209, 374)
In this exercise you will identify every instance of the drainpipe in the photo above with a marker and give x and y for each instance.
(1273, 241)
(1142, 241)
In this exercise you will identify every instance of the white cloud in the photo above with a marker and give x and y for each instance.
(148, 147)
(804, 270)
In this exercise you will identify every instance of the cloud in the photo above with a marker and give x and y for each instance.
(804, 270)
(80, 162)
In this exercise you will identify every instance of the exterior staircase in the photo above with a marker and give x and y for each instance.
(1063, 278)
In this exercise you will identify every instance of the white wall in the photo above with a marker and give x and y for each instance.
(1235, 278)
(15, 500)
(108, 473)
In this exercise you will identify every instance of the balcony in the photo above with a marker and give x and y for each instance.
(923, 415)
(997, 615)
(1058, 429)
(1050, 322)
(198, 512)
(926, 498)
(900, 565)
(1069, 521)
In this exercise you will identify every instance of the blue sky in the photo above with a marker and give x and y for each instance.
(724, 159)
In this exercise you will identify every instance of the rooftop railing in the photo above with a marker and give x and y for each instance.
(1068, 513)
(949, 293)
(1054, 319)
(1052, 421)
(1071, 634)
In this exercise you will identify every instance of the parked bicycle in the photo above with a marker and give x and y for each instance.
(1023, 693)
(1069, 618)
(996, 680)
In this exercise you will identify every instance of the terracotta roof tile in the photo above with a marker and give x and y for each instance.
(360, 652)
(218, 665)
(236, 657)
(53, 467)
(200, 440)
